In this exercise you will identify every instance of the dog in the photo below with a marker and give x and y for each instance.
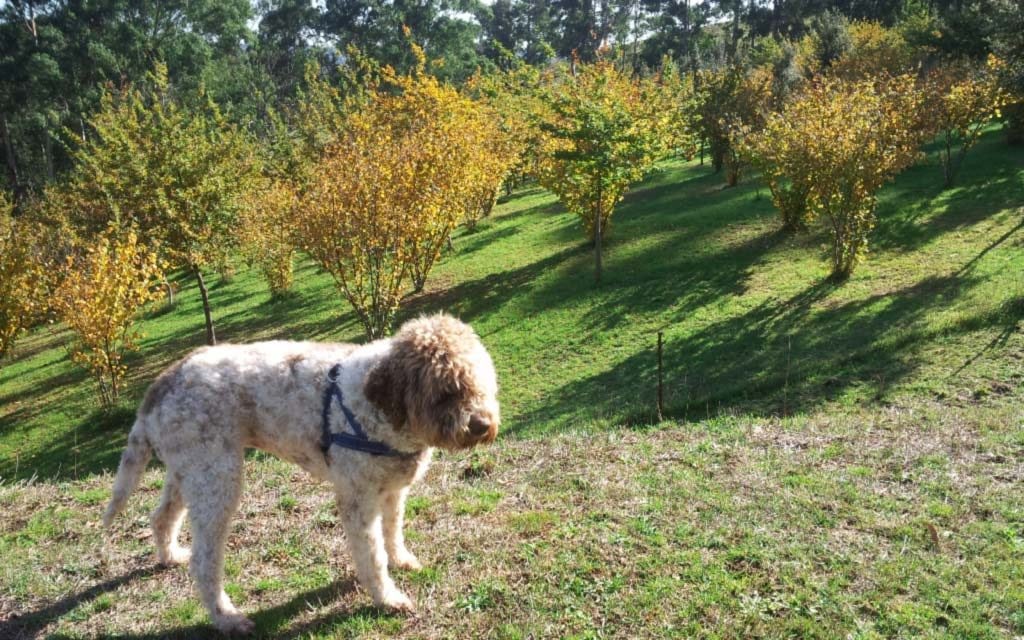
(364, 418)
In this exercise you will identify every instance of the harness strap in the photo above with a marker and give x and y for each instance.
(357, 441)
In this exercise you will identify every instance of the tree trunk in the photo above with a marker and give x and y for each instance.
(48, 156)
(597, 240)
(12, 163)
(211, 338)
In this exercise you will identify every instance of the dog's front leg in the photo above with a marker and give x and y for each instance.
(363, 527)
(394, 538)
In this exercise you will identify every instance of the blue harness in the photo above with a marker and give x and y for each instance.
(357, 441)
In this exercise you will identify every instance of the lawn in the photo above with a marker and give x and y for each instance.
(836, 459)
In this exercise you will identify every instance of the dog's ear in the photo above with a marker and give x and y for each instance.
(385, 388)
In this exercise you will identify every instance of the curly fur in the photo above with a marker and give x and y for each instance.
(431, 385)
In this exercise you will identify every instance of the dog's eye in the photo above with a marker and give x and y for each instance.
(445, 398)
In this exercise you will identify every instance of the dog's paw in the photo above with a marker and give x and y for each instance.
(396, 601)
(174, 556)
(404, 560)
(234, 624)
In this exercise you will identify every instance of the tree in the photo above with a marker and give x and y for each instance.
(830, 38)
(873, 50)
(513, 99)
(606, 130)
(1008, 45)
(728, 101)
(386, 196)
(832, 148)
(176, 173)
(782, 156)
(961, 99)
(21, 276)
(99, 297)
(376, 27)
(55, 56)
(266, 232)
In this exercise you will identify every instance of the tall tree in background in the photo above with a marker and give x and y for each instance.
(375, 27)
(55, 55)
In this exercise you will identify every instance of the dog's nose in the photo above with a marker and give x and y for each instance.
(479, 426)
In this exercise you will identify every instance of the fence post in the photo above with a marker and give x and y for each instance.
(661, 381)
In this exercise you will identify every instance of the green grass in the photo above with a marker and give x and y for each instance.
(751, 323)
(836, 460)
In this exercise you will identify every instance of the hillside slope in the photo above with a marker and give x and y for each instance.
(751, 324)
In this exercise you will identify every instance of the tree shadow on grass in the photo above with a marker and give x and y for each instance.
(471, 241)
(780, 357)
(906, 213)
(93, 444)
(270, 622)
(475, 299)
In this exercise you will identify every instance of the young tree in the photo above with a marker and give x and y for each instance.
(515, 97)
(785, 166)
(728, 101)
(266, 232)
(961, 100)
(176, 172)
(382, 203)
(873, 50)
(605, 132)
(511, 105)
(830, 151)
(99, 297)
(20, 277)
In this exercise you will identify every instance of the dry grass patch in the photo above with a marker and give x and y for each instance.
(901, 521)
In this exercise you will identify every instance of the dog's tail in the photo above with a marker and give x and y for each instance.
(133, 462)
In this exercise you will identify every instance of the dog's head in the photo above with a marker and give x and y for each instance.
(438, 381)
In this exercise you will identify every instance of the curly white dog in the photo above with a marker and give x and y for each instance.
(365, 418)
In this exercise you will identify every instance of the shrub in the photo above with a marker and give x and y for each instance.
(874, 50)
(831, 149)
(605, 132)
(21, 275)
(514, 98)
(384, 200)
(730, 101)
(266, 232)
(99, 297)
(960, 100)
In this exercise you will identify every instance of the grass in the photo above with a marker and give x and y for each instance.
(903, 521)
(836, 460)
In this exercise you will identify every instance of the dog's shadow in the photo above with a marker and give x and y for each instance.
(270, 622)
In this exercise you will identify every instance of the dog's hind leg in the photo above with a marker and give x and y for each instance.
(212, 499)
(166, 521)
(362, 520)
(394, 537)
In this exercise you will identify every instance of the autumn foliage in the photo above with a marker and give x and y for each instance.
(604, 132)
(875, 50)
(20, 277)
(99, 298)
(385, 198)
(961, 99)
(514, 98)
(832, 148)
(728, 101)
(266, 233)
